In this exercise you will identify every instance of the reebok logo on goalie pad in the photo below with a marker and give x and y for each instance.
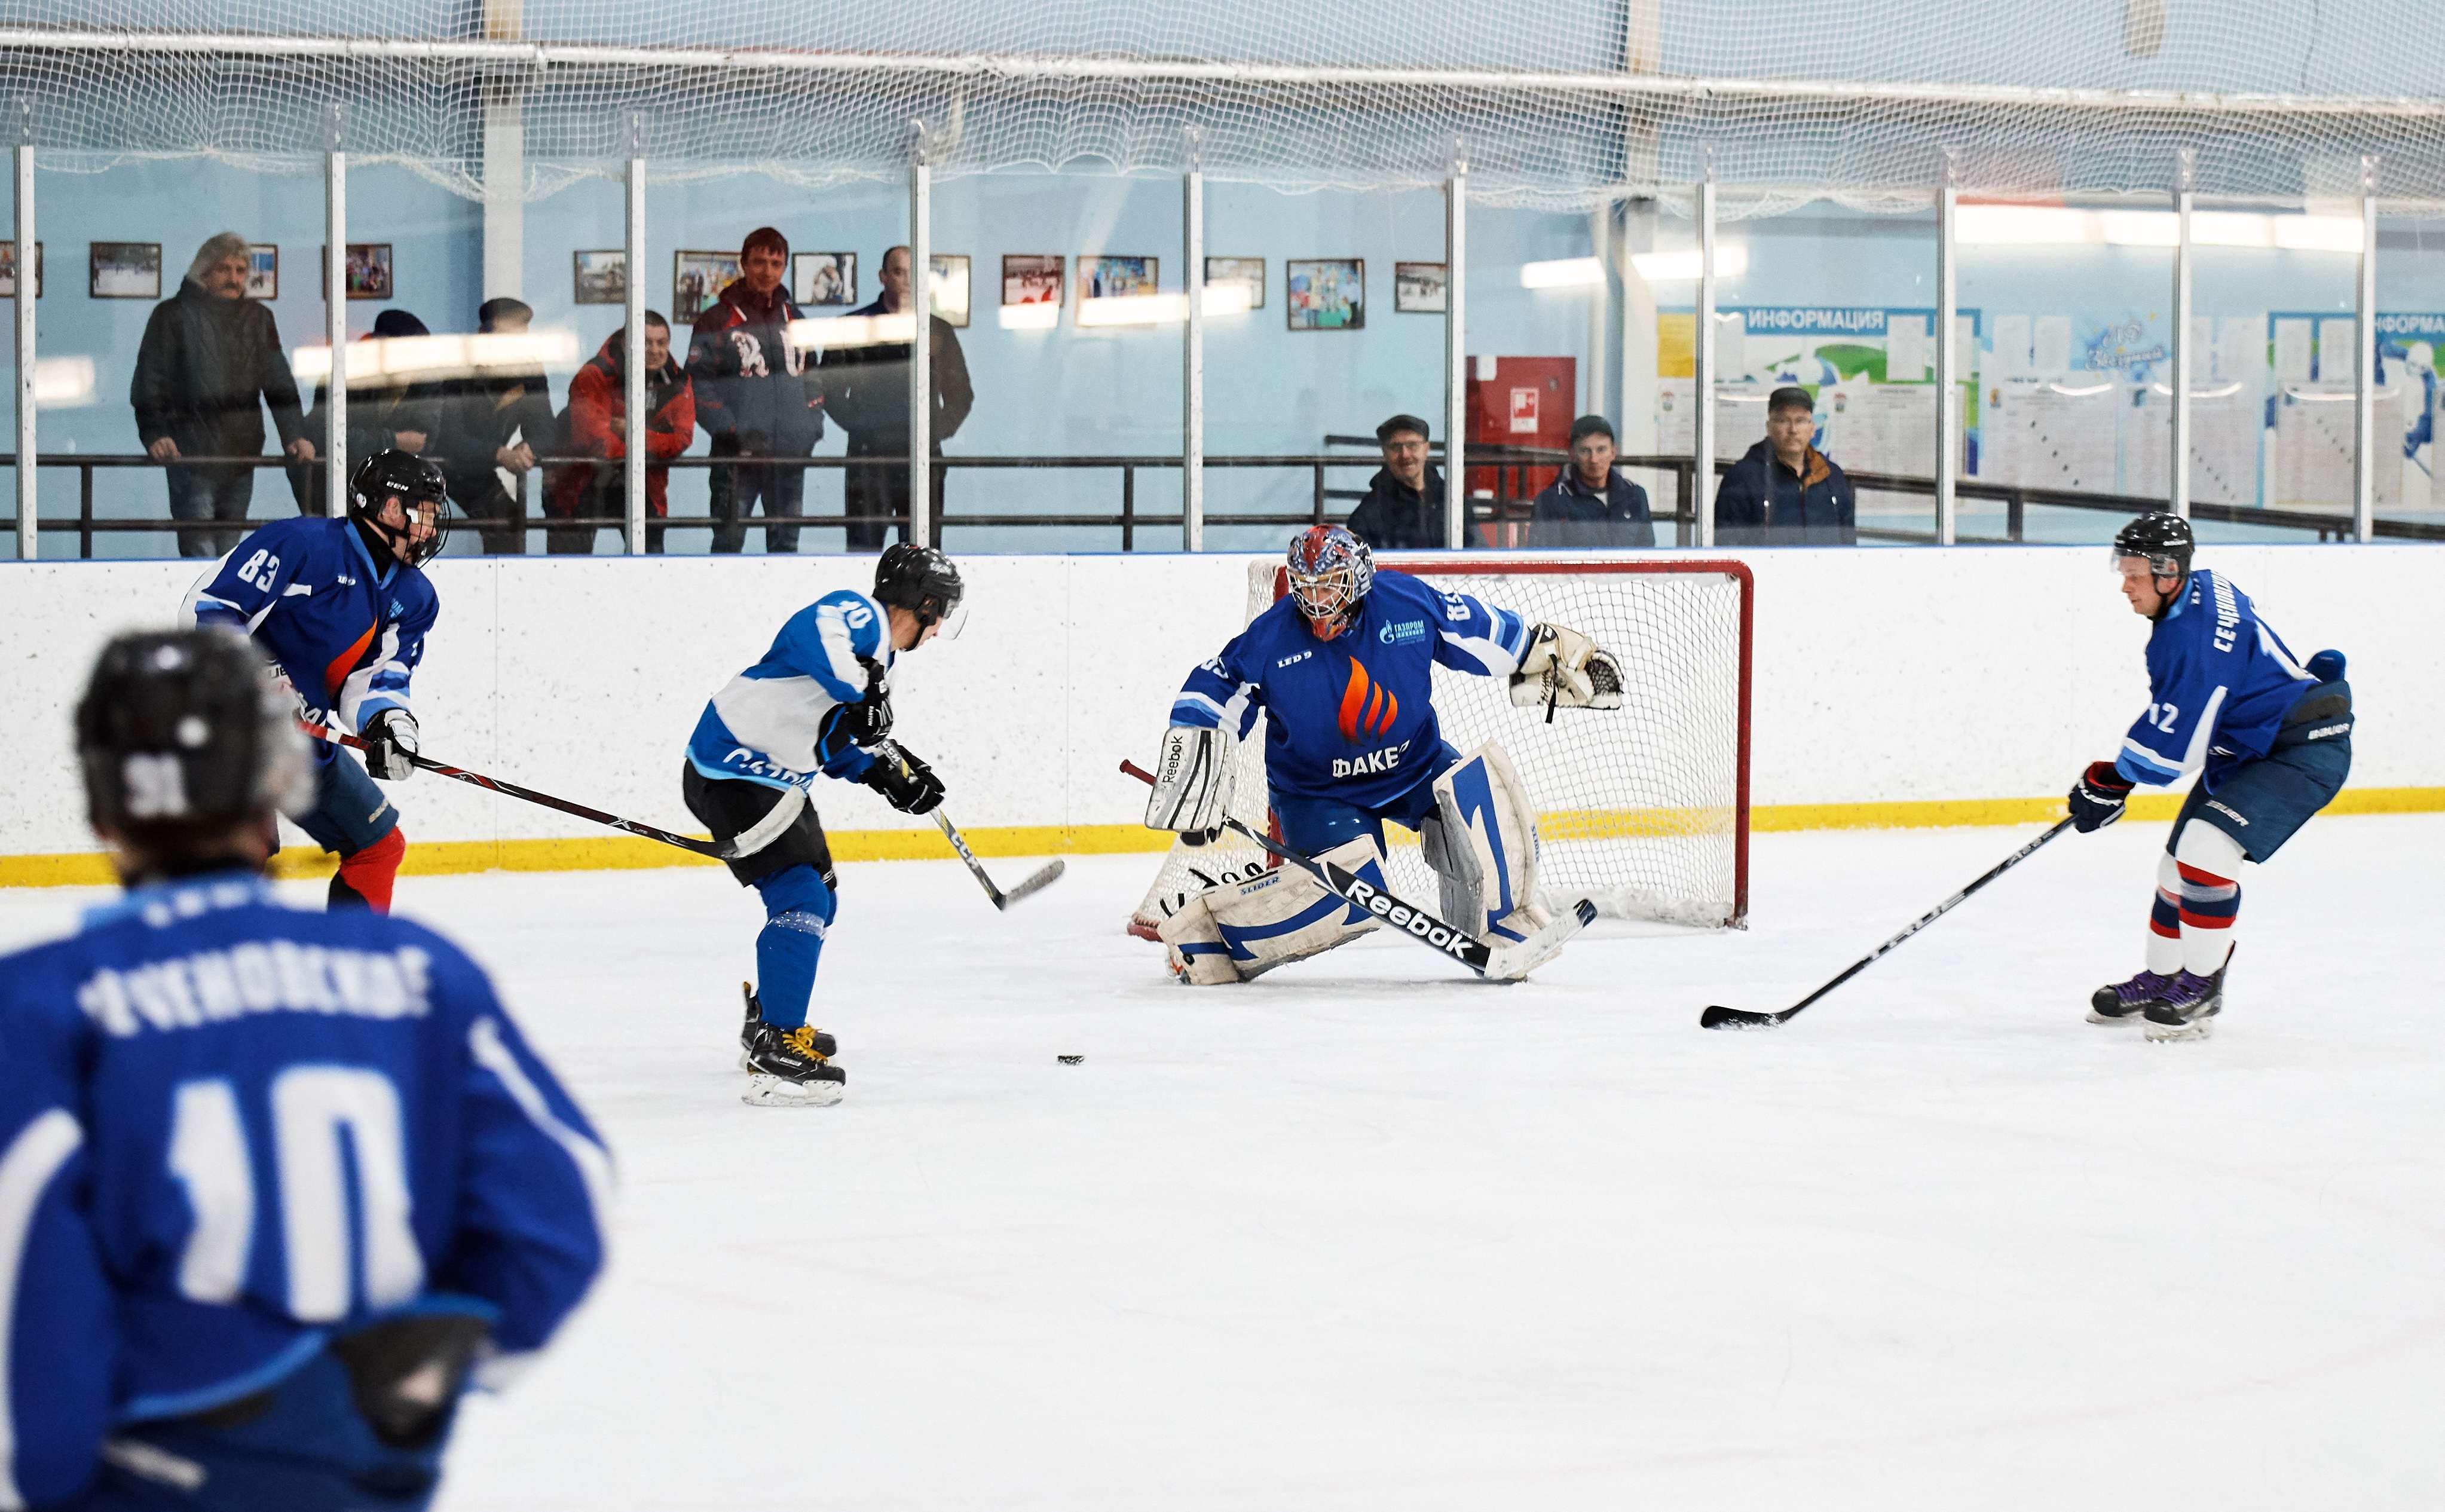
(1402, 917)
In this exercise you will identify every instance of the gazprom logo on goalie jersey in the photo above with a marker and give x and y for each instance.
(1368, 709)
(1406, 632)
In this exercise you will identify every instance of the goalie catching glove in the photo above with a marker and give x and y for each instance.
(1567, 671)
(1192, 783)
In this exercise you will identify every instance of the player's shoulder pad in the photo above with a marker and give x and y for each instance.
(865, 620)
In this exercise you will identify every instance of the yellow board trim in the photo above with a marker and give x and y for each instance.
(427, 858)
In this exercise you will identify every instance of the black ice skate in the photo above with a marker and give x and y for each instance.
(786, 1070)
(2187, 1007)
(823, 1044)
(2123, 1002)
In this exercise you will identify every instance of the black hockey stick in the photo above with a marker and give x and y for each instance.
(702, 848)
(1508, 961)
(1720, 1017)
(1042, 878)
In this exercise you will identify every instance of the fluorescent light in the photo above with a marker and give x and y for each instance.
(842, 331)
(1731, 260)
(2140, 228)
(63, 383)
(1565, 272)
(1134, 309)
(2317, 232)
(1041, 316)
(382, 361)
(2060, 226)
(2025, 226)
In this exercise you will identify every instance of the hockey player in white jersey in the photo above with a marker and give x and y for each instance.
(1343, 665)
(818, 705)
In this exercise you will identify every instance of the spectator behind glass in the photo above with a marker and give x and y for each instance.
(1590, 507)
(1404, 507)
(866, 388)
(755, 397)
(1786, 491)
(597, 425)
(493, 421)
(383, 416)
(209, 361)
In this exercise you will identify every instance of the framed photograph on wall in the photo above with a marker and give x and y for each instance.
(126, 270)
(600, 278)
(824, 280)
(1032, 280)
(1418, 289)
(950, 286)
(1325, 293)
(698, 279)
(368, 268)
(8, 269)
(1101, 277)
(262, 270)
(1244, 274)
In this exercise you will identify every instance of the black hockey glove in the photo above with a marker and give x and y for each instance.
(864, 723)
(907, 784)
(390, 742)
(2097, 797)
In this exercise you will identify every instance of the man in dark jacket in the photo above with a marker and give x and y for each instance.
(597, 425)
(210, 360)
(492, 422)
(1590, 507)
(1404, 507)
(382, 416)
(866, 388)
(755, 397)
(1786, 491)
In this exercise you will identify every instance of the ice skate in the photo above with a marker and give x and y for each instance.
(2124, 1002)
(786, 1068)
(825, 1045)
(2186, 1006)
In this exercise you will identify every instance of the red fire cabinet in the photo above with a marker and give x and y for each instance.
(1517, 401)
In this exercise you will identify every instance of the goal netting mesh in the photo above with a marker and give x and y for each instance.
(1558, 104)
(1643, 808)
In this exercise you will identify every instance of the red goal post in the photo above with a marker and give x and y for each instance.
(1645, 807)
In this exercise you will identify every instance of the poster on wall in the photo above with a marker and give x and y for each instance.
(823, 280)
(124, 270)
(1233, 283)
(8, 269)
(1032, 280)
(1102, 277)
(950, 286)
(2227, 419)
(1419, 288)
(698, 279)
(1325, 293)
(600, 278)
(262, 270)
(1842, 354)
(367, 270)
(2050, 433)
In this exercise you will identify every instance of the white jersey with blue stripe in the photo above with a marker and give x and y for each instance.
(1353, 718)
(773, 724)
(2220, 681)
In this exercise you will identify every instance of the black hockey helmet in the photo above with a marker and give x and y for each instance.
(183, 734)
(417, 486)
(2164, 539)
(918, 579)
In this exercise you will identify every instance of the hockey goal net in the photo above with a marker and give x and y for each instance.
(1645, 807)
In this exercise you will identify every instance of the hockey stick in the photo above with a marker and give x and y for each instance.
(1504, 962)
(1042, 878)
(1720, 1017)
(702, 848)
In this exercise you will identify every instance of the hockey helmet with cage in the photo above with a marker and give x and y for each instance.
(183, 735)
(1330, 571)
(417, 487)
(921, 580)
(2162, 539)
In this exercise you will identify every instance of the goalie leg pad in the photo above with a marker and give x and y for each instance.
(1241, 931)
(1481, 843)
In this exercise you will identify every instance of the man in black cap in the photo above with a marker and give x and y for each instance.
(1590, 507)
(1786, 491)
(1404, 507)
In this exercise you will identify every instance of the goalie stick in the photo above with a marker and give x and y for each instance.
(1042, 878)
(702, 848)
(1720, 1017)
(1504, 962)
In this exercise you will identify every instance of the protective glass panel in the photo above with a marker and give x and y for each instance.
(2411, 343)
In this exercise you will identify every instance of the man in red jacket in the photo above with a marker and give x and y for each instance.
(598, 426)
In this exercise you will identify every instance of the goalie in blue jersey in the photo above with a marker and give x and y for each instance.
(2269, 737)
(1343, 664)
(275, 1184)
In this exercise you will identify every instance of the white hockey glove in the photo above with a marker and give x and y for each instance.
(390, 745)
(1192, 782)
(1565, 669)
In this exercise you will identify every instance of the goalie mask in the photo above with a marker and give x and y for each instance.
(1330, 571)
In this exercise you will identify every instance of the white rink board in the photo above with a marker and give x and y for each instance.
(1882, 676)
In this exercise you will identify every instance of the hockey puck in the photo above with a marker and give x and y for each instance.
(1068, 1060)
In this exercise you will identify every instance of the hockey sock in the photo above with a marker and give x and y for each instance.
(2165, 919)
(365, 878)
(2208, 861)
(798, 909)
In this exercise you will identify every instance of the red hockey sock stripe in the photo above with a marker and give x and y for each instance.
(370, 872)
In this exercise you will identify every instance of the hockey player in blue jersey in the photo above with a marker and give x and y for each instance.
(1342, 665)
(2269, 737)
(274, 1184)
(341, 607)
(818, 705)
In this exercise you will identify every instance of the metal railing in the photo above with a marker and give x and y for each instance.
(1519, 474)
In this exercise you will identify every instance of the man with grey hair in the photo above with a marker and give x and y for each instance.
(210, 362)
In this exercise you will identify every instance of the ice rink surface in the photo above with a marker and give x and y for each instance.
(1363, 1234)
